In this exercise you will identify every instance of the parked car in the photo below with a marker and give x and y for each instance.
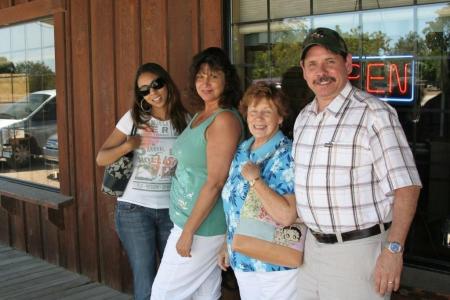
(50, 150)
(25, 127)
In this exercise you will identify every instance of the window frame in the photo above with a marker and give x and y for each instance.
(28, 12)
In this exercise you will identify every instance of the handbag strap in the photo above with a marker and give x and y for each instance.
(133, 130)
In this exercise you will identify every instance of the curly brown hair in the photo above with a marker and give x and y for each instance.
(268, 91)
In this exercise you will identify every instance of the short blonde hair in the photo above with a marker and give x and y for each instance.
(264, 90)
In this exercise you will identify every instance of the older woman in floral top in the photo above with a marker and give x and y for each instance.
(263, 163)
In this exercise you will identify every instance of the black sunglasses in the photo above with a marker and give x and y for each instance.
(156, 84)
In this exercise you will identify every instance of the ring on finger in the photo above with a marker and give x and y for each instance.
(390, 282)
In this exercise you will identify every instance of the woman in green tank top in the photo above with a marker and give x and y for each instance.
(204, 152)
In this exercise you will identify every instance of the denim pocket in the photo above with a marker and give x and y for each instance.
(126, 206)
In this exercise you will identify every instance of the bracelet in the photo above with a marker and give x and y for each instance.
(253, 181)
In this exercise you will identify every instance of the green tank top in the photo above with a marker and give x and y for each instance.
(190, 176)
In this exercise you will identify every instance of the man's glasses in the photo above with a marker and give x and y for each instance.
(156, 84)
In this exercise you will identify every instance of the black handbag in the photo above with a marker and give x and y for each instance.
(117, 174)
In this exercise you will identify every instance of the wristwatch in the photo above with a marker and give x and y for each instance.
(393, 247)
(253, 181)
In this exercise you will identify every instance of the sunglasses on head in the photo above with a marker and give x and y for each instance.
(156, 84)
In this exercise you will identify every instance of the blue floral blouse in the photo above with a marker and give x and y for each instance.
(277, 170)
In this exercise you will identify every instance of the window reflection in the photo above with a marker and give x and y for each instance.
(408, 48)
(28, 139)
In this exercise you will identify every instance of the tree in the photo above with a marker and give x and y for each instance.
(411, 43)
(40, 76)
(437, 40)
(284, 51)
(365, 44)
(6, 66)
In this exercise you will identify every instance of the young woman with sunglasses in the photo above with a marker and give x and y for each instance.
(204, 152)
(142, 214)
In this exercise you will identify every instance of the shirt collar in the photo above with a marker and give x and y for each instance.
(336, 104)
(266, 149)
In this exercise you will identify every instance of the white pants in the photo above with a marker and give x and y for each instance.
(280, 285)
(341, 271)
(196, 277)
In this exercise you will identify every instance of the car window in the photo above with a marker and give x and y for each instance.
(24, 108)
(46, 112)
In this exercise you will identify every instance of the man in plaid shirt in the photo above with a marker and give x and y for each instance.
(356, 181)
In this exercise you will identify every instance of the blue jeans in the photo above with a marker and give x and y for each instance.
(142, 230)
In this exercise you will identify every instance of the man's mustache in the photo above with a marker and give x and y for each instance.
(324, 79)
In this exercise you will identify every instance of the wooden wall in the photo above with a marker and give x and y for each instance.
(99, 44)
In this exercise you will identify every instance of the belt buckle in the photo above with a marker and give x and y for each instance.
(324, 238)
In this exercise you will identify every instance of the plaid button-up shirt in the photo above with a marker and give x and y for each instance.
(349, 159)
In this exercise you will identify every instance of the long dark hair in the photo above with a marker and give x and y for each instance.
(217, 60)
(176, 110)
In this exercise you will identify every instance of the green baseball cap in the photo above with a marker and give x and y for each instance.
(325, 37)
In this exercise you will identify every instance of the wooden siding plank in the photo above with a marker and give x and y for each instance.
(127, 24)
(180, 44)
(67, 239)
(127, 59)
(18, 226)
(30, 10)
(34, 234)
(154, 31)
(212, 22)
(50, 240)
(5, 3)
(103, 82)
(196, 24)
(4, 226)
(83, 138)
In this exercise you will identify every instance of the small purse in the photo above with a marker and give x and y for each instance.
(259, 236)
(117, 174)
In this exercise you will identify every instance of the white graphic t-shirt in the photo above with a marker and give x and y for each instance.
(153, 163)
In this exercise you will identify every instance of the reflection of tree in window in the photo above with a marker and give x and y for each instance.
(40, 76)
(285, 51)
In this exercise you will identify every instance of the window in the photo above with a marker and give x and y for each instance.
(28, 139)
(400, 53)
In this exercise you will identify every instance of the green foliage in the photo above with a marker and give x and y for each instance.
(284, 53)
(40, 76)
(365, 44)
(6, 66)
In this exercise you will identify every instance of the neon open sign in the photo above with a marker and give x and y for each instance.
(391, 78)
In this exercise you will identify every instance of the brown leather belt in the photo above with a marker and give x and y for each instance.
(331, 238)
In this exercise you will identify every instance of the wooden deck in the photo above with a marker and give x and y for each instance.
(25, 277)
